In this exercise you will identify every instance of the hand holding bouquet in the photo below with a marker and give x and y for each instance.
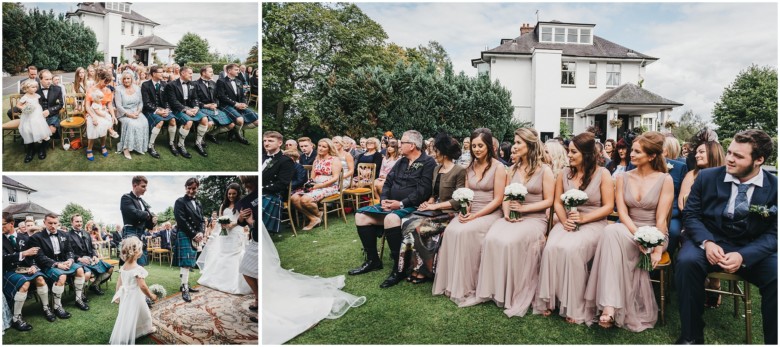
(572, 199)
(464, 196)
(648, 237)
(515, 192)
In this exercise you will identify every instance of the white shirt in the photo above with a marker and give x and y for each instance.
(757, 180)
(55, 242)
(233, 83)
(185, 90)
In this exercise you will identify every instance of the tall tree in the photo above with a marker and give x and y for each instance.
(16, 34)
(251, 59)
(166, 216)
(212, 191)
(191, 48)
(690, 124)
(750, 102)
(71, 209)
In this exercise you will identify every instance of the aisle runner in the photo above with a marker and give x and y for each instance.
(212, 318)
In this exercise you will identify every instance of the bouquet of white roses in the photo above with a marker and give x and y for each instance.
(515, 192)
(464, 196)
(572, 199)
(648, 237)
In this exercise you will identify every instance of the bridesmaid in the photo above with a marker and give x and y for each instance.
(563, 275)
(616, 286)
(509, 270)
(456, 275)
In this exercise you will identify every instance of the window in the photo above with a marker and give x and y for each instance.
(560, 35)
(567, 116)
(132, 28)
(126, 7)
(12, 196)
(571, 35)
(584, 35)
(546, 34)
(592, 74)
(567, 72)
(649, 123)
(613, 75)
(141, 30)
(123, 27)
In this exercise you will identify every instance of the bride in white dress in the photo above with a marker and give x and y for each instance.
(220, 259)
(293, 303)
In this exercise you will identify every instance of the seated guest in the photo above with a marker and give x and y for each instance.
(347, 162)
(157, 111)
(602, 159)
(407, 186)
(509, 268)
(323, 183)
(558, 156)
(423, 234)
(135, 127)
(101, 116)
(678, 170)
(724, 233)
(116, 237)
(609, 146)
(208, 103)
(370, 156)
(91, 76)
(389, 160)
(58, 262)
(277, 172)
(616, 286)
(620, 160)
(16, 282)
(231, 100)
(87, 256)
(253, 82)
(166, 235)
(505, 152)
(183, 100)
(465, 157)
(459, 257)
(32, 75)
(300, 176)
(291, 145)
(51, 103)
(307, 151)
(94, 234)
(496, 147)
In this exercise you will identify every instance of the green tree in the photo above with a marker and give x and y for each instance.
(251, 59)
(166, 216)
(71, 209)
(212, 191)
(750, 102)
(690, 124)
(191, 47)
(16, 34)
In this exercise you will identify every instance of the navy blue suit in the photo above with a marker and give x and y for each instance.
(678, 172)
(756, 243)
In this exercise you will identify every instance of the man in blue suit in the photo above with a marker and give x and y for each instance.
(726, 231)
(678, 170)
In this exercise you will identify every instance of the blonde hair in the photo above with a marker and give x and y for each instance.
(27, 84)
(377, 144)
(558, 158)
(672, 147)
(331, 147)
(535, 157)
(131, 249)
(338, 139)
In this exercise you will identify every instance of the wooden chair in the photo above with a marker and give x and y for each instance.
(158, 252)
(664, 274)
(12, 101)
(71, 118)
(337, 198)
(739, 289)
(288, 207)
(308, 170)
(355, 194)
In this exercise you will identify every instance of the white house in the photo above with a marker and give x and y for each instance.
(564, 72)
(16, 201)
(121, 32)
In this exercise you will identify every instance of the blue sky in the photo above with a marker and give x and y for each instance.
(233, 27)
(701, 46)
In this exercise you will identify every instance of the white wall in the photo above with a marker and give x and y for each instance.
(21, 196)
(113, 27)
(547, 103)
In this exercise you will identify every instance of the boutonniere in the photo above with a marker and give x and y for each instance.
(763, 211)
(414, 166)
(269, 164)
(669, 166)
(57, 101)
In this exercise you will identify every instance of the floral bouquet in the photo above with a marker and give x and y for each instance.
(465, 196)
(572, 199)
(223, 221)
(648, 237)
(515, 192)
(158, 290)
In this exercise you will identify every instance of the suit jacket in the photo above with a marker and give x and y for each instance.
(703, 215)
(206, 91)
(410, 186)
(244, 77)
(277, 174)
(309, 160)
(54, 102)
(23, 239)
(174, 95)
(678, 171)
(249, 201)
(189, 219)
(152, 99)
(452, 180)
(82, 246)
(11, 256)
(166, 238)
(132, 214)
(225, 93)
(46, 257)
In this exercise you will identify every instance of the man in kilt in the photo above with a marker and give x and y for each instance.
(183, 100)
(136, 215)
(247, 208)
(58, 262)
(16, 284)
(206, 91)
(189, 218)
(277, 170)
(230, 92)
(87, 256)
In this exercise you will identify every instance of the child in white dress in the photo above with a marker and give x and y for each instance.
(105, 122)
(32, 123)
(134, 318)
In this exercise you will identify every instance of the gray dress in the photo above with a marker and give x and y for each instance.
(135, 132)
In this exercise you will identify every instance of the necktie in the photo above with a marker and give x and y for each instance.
(157, 87)
(13, 240)
(740, 203)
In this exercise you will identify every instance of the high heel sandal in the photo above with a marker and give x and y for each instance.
(104, 151)
(92, 158)
(312, 225)
(606, 324)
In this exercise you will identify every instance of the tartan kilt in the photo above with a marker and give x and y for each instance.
(249, 115)
(101, 267)
(272, 212)
(12, 281)
(218, 117)
(53, 273)
(156, 118)
(182, 118)
(183, 254)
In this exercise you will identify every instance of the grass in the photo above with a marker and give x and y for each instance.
(227, 156)
(409, 314)
(93, 326)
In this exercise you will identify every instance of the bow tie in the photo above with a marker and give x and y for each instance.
(188, 198)
(44, 88)
(53, 233)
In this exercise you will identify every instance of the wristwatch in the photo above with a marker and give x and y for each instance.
(401, 203)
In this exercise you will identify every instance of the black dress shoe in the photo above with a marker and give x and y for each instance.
(96, 290)
(153, 153)
(84, 297)
(683, 341)
(185, 294)
(42, 150)
(240, 139)
(193, 290)
(28, 158)
(201, 150)
(393, 279)
(368, 266)
(82, 305)
(49, 316)
(20, 324)
(61, 313)
(173, 150)
(183, 152)
(212, 138)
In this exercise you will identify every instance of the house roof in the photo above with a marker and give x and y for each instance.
(27, 208)
(628, 94)
(150, 41)
(9, 182)
(100, 8)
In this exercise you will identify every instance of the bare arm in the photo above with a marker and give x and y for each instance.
(685, 189)
(144, 289)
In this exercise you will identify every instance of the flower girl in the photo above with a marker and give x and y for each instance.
(104, 123)
(134, 318)
(33, 126)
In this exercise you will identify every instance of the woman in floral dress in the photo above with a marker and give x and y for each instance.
(323, 183)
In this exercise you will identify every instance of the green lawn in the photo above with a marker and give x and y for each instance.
(409, 314)
(93, 326)
(227, 156)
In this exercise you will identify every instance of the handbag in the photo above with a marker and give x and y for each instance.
(430, 213)
(75, 143)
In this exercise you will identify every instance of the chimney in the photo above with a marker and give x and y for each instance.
(525, 29)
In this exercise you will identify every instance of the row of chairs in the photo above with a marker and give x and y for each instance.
(155, 251)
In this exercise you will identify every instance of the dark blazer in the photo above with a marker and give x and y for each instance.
(300, 177)
(166, 238)
(277, 174)
(376, 159)
(11, 256)
(225, 92)
(151, 99)
(304, 160)
(116, 238)
(249, 201)
(188, 218)
(452, 180)
(703, 215)
(243, 76)
(174, 96)
(132, 214)
(46, 257)
(54, 102)
(410, 186)
(206, 91)
(82, 246)
(678, 171)
(23, 239)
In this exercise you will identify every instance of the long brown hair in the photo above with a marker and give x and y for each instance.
(226, 201)
(80, 84)
(487, 137)
(586, 145)
(715, 156)
(535, 156)
(652, 143)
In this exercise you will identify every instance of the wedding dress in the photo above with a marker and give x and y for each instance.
(220, 259)
(293, 303)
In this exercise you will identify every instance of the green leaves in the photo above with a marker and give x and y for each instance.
(192, 47)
